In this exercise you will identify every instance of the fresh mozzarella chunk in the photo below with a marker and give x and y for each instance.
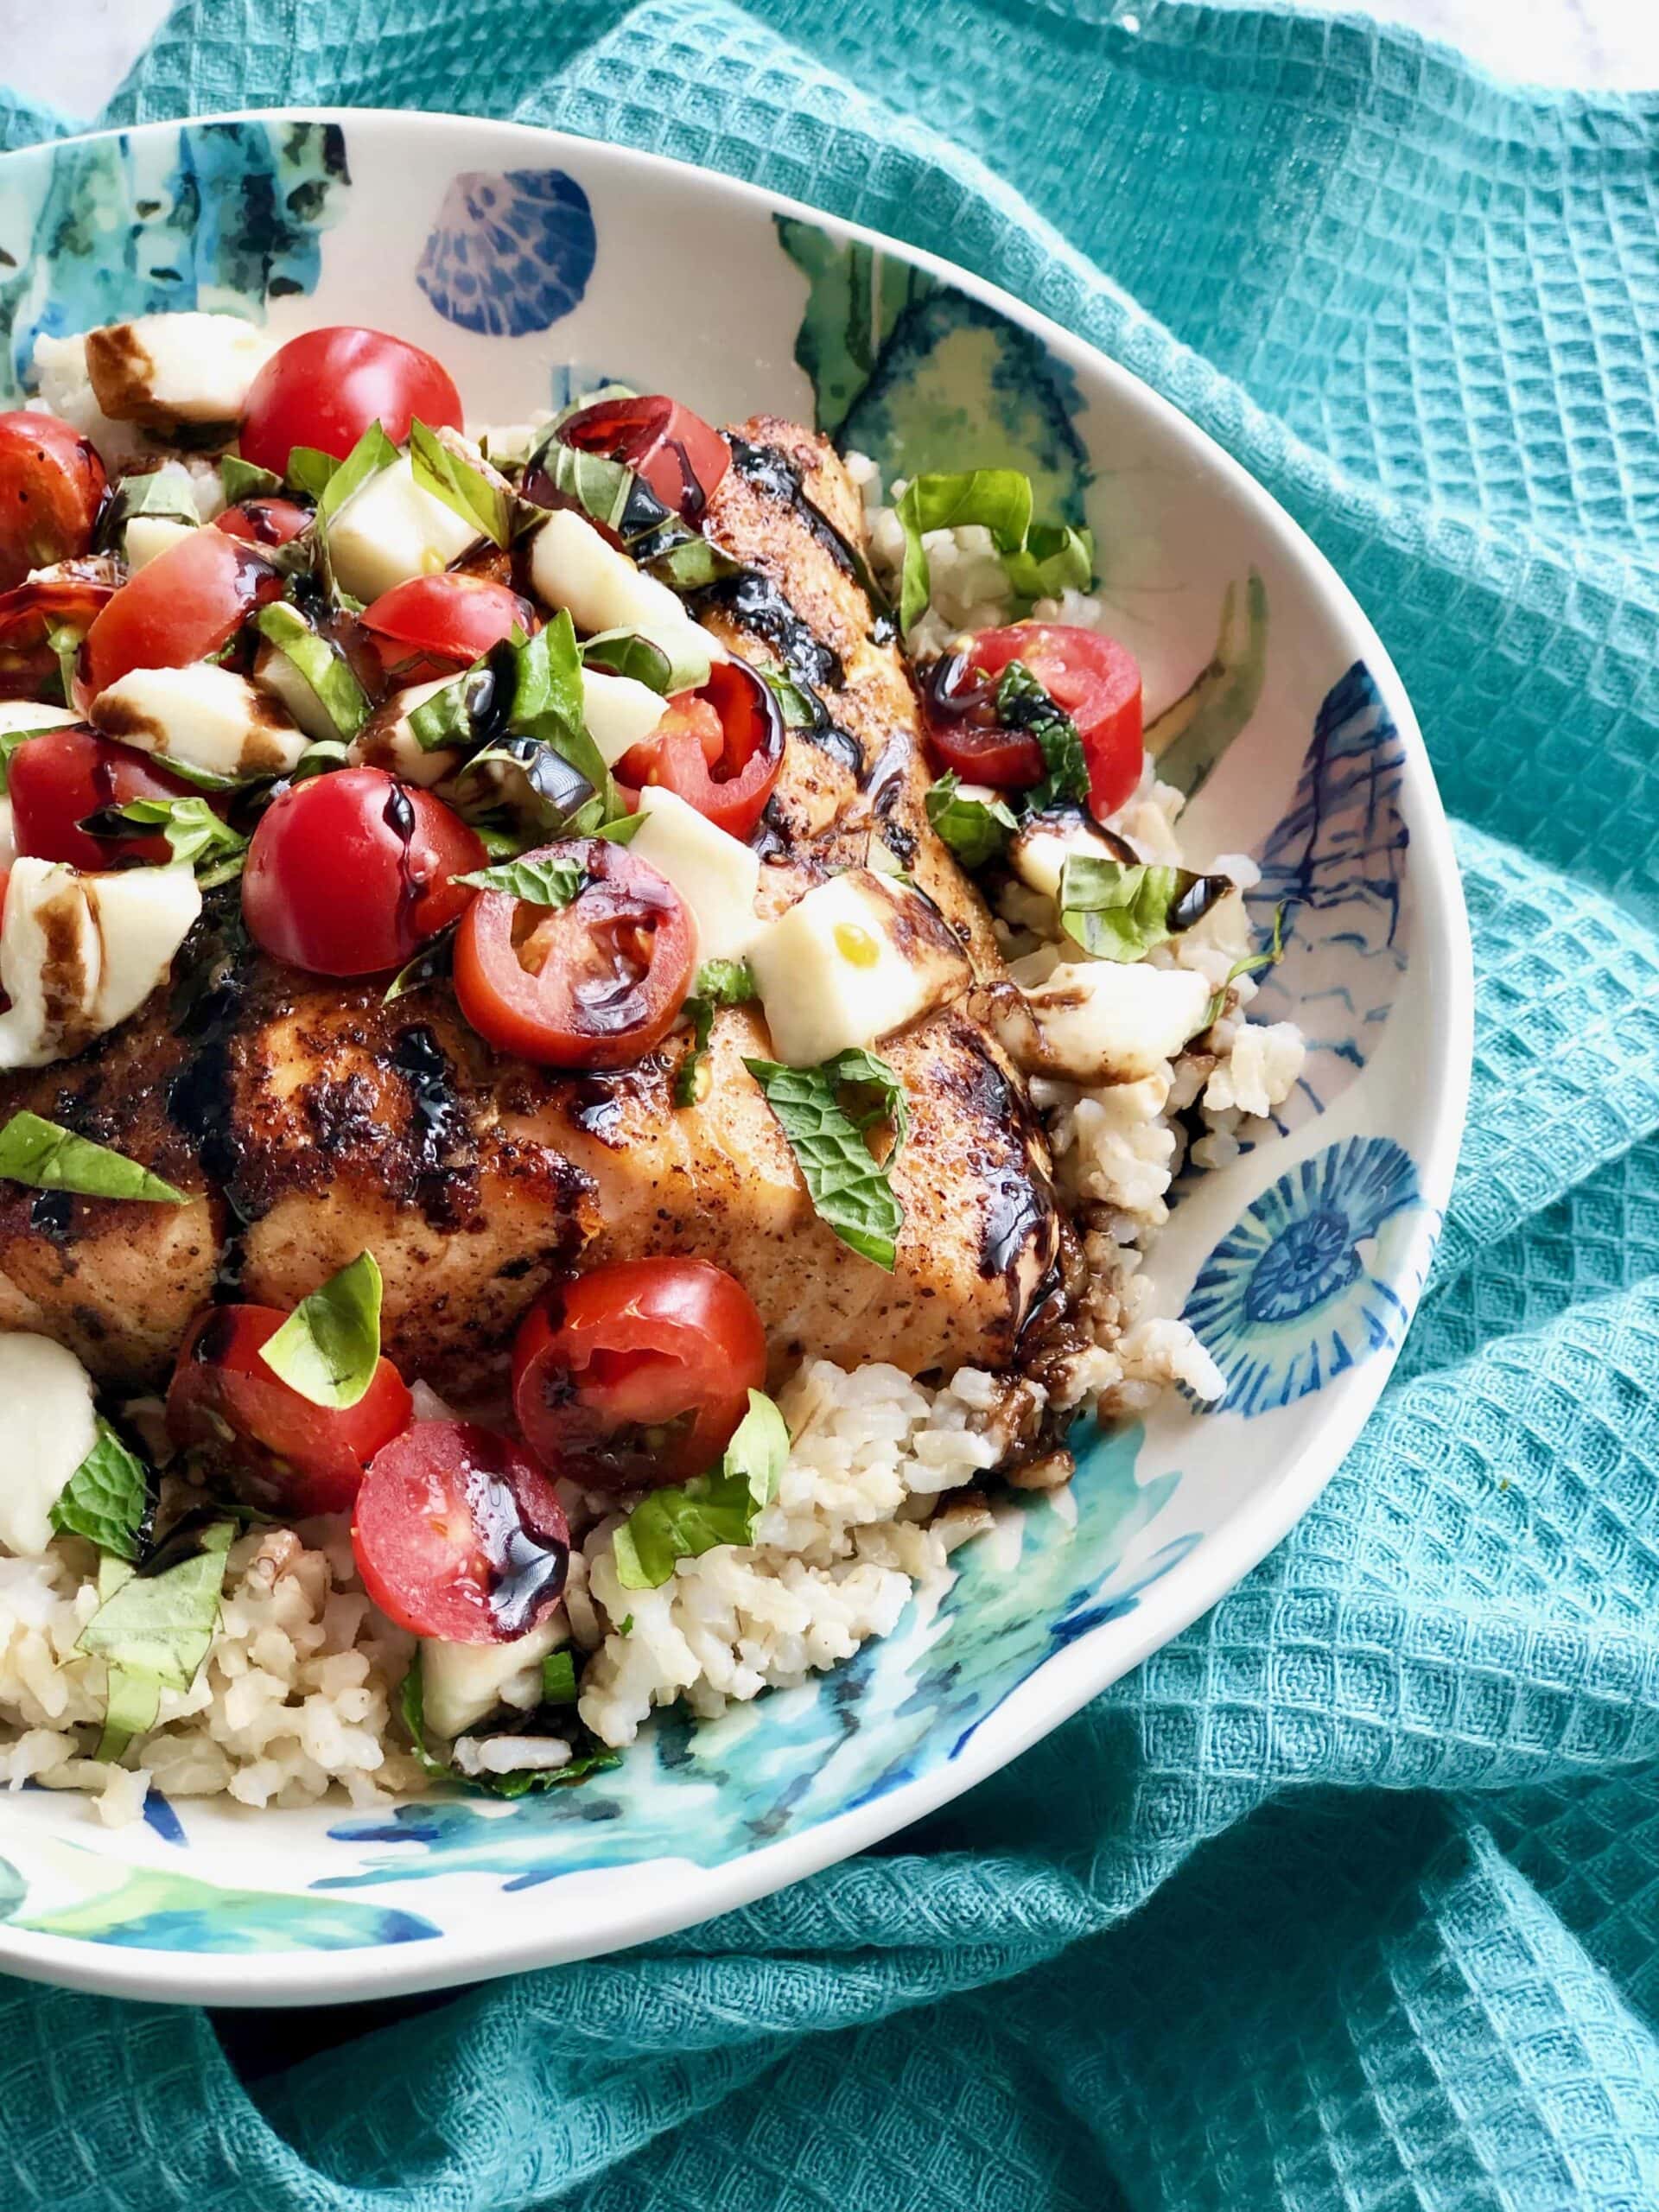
(31, 713)
(149, 535)
(51, 957)
(463, 1683)
(1112, 1022)
(202, 718)
(856, 958)
(571, 565)
(392, 530)
(715, 875)
(1039, 852)
(386, 740)
(7, 834)
(47, 1429)
(618, 711)
(143, 916)
(167, 369)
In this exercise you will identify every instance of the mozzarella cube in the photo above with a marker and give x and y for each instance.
(463, 1683)
(1115, 1021)
(856, 958)
(715, 875)
(386, 740)
(619, 712)
(50, 960)
(149, 535)
(572, 565)
(143, 915)
(32, 714)
(201, 718)
(166, 369)
(47, 1429)
(1039, 852)
(394, 529)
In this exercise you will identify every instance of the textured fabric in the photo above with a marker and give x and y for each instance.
(1349, 1897)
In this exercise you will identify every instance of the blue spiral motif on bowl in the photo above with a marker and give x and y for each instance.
(1285, 1301)
(509, 253)
(1337, 866)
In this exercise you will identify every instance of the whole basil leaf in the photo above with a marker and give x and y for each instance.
(329, 1346)
(466, 490)
(1118, 910)
(50, 1158)
(721, 1508)
(976, 829)
(162, 1623)
(850, 1190)
(324, 668)
(107, 1499)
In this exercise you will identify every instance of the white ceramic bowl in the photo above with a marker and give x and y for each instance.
(535, 265)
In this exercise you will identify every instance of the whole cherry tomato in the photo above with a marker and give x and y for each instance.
(324, 388)
(278, 1449)
(637, 1373)
(352, 872)
(594, 984)
(52, 491)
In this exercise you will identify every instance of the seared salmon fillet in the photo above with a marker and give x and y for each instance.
(309, 1120)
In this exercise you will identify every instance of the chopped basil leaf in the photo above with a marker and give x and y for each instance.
(329, 1346)
(132, 1701)
(544, 880)
(445, 720)
(430, 964)
(50, 1158)
(159, 493)
(547, 706)
(196, 836)
(623, 652)
(467, 490)
(1118, 910)
(623, 831)
(600, 488)
(799, 710)
(1251, 964)
(1022, 704)
(322, 666)
(717, 982)
(107, 1499)
(851, 1191)
(310, 470)
(9, 742)
(589, 1756)
(720, 1508)
(625, 1626)
(243, 479)
(1040, 560)
(690, 564)
(331, 482)
(318, 758)
(162, 1623)
(976, 829)
(558, 1679)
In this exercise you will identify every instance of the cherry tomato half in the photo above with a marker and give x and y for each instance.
(68, 597)
(720, 748)
(52, 490)
(459, 1533)
(639, 1373)
(351, 873)
(180, 606)
(264, 522)
(280, 1450)
(679, 455)
(1095, 680)
(593, 985)
(432, 625)
(324, 388)
(64, 775)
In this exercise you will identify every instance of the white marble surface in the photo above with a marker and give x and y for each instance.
(76, 53)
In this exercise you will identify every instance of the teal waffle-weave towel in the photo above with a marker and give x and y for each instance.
(1350, 1898)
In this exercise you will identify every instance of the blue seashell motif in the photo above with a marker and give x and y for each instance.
(1285, 1301)
(511, 253)
(1336, 863)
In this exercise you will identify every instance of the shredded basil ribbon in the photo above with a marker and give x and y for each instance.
(719, 1508)
(48, 1157)
(589, 1756)
(196, 836)
(468, 492)
(329, 1346)
(851, 1192)
(1251, 964)
(320, 665)
(716, 983)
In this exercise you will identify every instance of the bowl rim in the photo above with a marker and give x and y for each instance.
(1065, 1680)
